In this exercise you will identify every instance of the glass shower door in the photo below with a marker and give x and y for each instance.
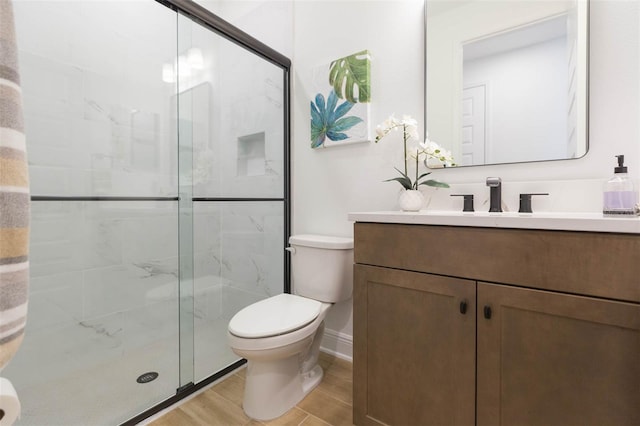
(233, 108)
(157, 152)
(101, 343)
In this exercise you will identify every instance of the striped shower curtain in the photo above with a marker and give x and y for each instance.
(14, 195)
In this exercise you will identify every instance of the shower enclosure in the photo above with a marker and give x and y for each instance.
(158, 146)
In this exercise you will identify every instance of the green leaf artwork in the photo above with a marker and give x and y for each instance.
(350, 77)
(341, 101)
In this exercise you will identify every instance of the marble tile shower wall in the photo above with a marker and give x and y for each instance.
(96, 123)
(87, 136)
(90, 260)
(246, 127)
(238, 255)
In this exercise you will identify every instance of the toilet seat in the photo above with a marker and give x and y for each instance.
(274, 316)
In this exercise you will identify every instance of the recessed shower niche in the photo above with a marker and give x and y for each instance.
(251, 155)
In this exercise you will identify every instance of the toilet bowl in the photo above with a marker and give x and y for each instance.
(280, 336)
(276, 379)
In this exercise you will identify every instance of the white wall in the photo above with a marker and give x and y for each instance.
(330, 183)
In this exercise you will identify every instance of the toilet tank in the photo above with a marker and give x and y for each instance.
(322, 267)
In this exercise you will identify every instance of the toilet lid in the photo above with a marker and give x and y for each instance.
(273, 316)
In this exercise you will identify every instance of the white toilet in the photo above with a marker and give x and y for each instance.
(280, 336)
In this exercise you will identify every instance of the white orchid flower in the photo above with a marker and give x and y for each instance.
(430, 147)
(407, 120)
(390, 123)
(436, 155)
(414, 151)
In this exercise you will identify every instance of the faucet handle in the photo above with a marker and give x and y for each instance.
(525, 201)
(468, 201)
(494, 181)
(495, 186)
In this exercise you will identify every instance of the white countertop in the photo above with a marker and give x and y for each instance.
(594, 222)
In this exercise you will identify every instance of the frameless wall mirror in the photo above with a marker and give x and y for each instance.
(506, 80)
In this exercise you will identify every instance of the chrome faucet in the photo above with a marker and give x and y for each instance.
(495, 185)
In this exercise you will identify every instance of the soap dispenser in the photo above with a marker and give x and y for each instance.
(620, 196)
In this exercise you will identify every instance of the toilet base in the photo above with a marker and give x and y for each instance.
(272, 389)
(311, 380)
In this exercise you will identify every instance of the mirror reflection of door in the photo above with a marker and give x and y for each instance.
(531, 55)
(473, 125)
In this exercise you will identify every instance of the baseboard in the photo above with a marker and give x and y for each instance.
(337, 344)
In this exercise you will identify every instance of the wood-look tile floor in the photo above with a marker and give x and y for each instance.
(328, 404)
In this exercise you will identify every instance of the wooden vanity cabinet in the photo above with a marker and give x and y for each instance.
(545, 358)
(416, 333)
(460, 347)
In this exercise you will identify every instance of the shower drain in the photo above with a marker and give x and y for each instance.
(147, 377)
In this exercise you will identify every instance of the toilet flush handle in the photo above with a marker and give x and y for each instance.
(292, 250)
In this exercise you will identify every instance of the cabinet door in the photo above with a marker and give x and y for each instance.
(555, 359)
(414, 348)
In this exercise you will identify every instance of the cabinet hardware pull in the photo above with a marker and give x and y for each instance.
(463, 307)
(487, 312)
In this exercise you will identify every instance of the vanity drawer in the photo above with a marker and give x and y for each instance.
(588, 263)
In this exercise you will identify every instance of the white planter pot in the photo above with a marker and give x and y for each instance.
(411, 200)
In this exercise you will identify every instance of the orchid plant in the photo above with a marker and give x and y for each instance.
(427, 151)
